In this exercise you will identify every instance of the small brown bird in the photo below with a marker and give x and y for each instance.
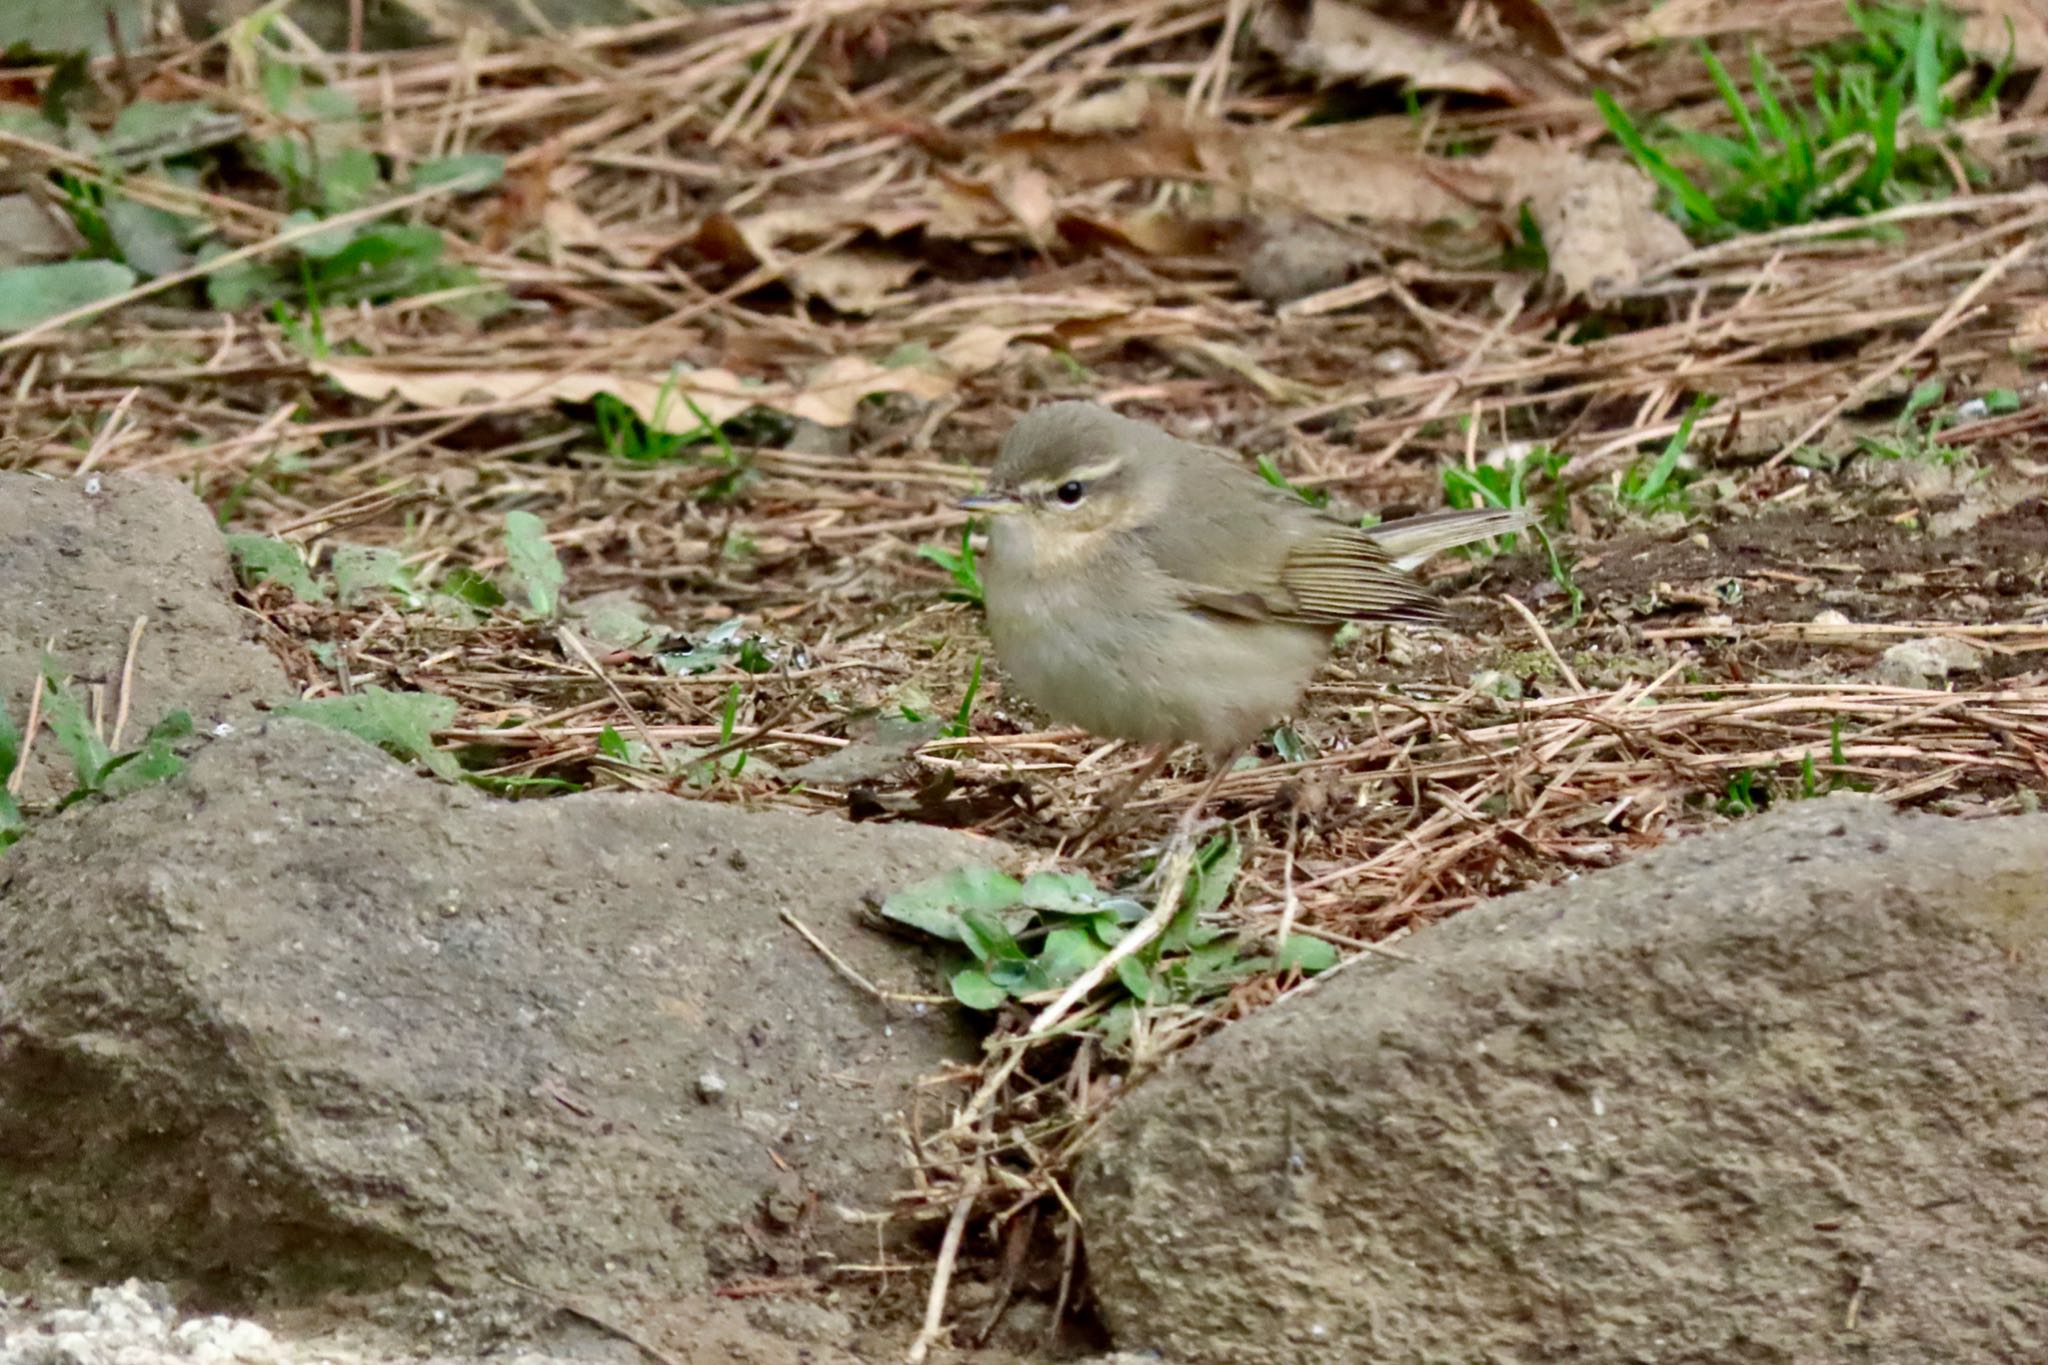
(1153, 590)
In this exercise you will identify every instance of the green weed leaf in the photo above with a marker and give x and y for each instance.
(360, 570)
(31, 294)
(1302, 953)
(402, 722)
(150, 239)
(10, 746)
(261, 558)
(988, 938)
(1136, 977)
(1067, 954)
(936, 905)
(75, 733)
(12, 825)
(960, 564)
(482, 168)
(533, 563)
(972, 988)
(472, 589)
(1214, 871)
(153, 761)
(1062, 893)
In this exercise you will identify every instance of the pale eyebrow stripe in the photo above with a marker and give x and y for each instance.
(1101, 469)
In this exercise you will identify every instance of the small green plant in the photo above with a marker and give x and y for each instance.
(357, 572)
(363, 570)
(401, 722)
(1288, 745)
(12, 824)
(470, 591)
(962, 724)
(1810, 781)
(261, 559)
(1748, 792)
(1660, 484)
(1270, 472)
(1024, 940)
(1508, 485)
(1843, 151)
(960, 564)
(1528, 252)
(729, 645)
(704, 771)
(629, 438)
(97, 769)
(1916, 434)
(533, 563)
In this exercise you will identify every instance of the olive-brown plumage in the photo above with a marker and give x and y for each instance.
(1153, 590)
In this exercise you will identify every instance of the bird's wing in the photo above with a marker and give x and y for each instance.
(1342, 574)
(1260, 554)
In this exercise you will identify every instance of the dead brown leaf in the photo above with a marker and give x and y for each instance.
(2030, 333)
(856, 280)
(1994, 28)
(828, 397)
(1412, 43)
(1342, 171)
(1120, 109)
(765, 238)
(1532, 23)
(567, 225)
(1337, 172)
(1600, 221)
(1151, 233)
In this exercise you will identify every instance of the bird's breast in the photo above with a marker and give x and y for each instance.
(1113, 650)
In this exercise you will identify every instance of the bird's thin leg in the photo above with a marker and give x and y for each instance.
(1103, 821)
(1221, 765)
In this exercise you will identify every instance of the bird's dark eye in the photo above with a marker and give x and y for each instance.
(1070, 492)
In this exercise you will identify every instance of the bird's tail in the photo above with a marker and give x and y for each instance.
(1412, 540)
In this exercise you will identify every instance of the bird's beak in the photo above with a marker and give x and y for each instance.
(993, 501)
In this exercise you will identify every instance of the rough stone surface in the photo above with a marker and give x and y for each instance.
(1774, 1094)
(135, 1323)
(299, 1019)
(1295, 257)
(81, 560)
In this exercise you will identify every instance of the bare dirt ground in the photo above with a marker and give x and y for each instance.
(859, 241)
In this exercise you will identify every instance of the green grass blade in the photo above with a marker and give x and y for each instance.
(1989, 99)
(1885, 131)
(1732, 97)
(1792, 135)
(1674, 450)
(1690, 197)
(1927, 67)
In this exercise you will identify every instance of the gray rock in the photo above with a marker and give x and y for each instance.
(299, 1019)
(1296, 256)
(1771, 1094)
(1928, 661)
(140, 1324)
(81, 561)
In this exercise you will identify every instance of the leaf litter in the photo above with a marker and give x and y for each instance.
(820, 258)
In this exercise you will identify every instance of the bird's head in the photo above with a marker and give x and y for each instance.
(1072, 474)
